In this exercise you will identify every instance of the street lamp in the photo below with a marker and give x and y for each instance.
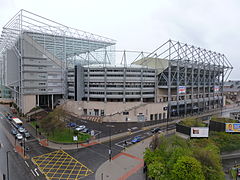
(7, 166)
(110, 141)
(24, 136)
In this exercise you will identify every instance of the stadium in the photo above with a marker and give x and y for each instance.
(44, 62)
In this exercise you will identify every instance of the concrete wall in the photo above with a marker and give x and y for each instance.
(113, 111)
(13, 71)
(29, 103)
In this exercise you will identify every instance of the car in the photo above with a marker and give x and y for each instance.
(19, 136)
(86, 130)
(80, 128)
(136, 139)
(27, 134)
(14, 131)
(9, 117)
(238, 172)
(72, 125)
(155, 130)
(21, 129)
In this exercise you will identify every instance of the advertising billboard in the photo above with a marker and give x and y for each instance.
(182, 89)
(232, 127)
(216, 88)
(199, 131)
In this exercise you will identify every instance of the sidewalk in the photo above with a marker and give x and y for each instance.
(125, 164)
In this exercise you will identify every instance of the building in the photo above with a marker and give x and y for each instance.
(43, 62)
(231, 90)
(235, 115)
(36, 53)
(189, 78)
(114, 93)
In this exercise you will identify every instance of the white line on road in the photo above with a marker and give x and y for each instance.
(26, 163)
(119, 145)
(33, 172)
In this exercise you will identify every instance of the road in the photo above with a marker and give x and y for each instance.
(19, 169)
(92, 156)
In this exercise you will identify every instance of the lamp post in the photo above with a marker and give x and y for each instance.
(7, 166)
(24, 152)
(110, 141)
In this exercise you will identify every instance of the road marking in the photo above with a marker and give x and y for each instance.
(26, 163)
(35, 170)
(98, 132)
(59, 164)
(119, 145)
(33, 173)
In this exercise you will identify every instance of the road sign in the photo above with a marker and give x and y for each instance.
(75, 138)
(92, 133)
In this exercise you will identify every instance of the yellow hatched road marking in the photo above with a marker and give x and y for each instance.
(59, 166)
(64, 163)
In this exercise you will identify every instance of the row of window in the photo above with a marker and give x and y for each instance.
(118, 93)
(119, 70)
(157, 116)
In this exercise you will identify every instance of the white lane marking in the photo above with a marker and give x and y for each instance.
(35, 170)
(33, 173)
(98, 132)
(119, 145)
(123, 142)
(26, 163)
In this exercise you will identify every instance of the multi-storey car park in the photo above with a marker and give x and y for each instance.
(36, 53)
(44, 61)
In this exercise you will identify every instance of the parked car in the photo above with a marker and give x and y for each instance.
(9, 117)
(72, 125)
(14, 131)
(80, 128)
(27, 134)
(21, 129)
(238, 172)
(86, 130)
(19, 136)
(155, 130)
(136, 139)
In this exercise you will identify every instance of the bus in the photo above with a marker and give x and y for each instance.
(17, 122)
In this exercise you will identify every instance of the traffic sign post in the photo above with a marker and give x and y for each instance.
(75, 138)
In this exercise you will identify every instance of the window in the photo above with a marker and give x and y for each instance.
(160, 116)
(156, 117)
(102, 112)
(125, 113)
(151, 117)
(164, 115)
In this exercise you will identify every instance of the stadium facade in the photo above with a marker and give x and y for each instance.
(44, 61)
(36, 52)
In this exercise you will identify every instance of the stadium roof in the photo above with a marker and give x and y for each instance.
(71, 41)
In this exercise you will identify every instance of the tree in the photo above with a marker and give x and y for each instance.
(209, 158)
(188, 168)
(155, 142)
(157, 171)
(52, 121)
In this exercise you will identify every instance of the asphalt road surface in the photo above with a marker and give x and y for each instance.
(19, 169)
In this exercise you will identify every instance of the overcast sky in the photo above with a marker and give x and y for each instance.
(144, 25)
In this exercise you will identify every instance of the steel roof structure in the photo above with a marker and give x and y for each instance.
(58, 39)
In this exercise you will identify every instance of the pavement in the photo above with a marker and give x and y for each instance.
(126, 163)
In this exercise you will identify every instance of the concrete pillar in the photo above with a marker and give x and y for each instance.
(52, 101)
